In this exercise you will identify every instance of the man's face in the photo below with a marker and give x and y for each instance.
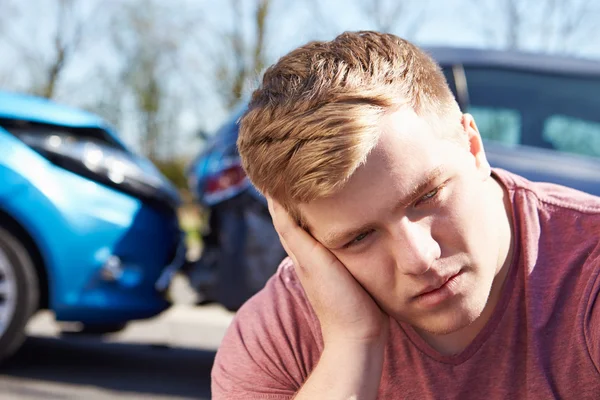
(417, 225)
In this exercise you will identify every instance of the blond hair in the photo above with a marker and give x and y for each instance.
(315, 118)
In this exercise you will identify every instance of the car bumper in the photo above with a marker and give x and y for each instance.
(125, 274)
(121, 293)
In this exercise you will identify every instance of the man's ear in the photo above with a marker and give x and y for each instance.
(476, 145)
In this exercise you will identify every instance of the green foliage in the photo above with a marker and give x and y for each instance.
(174, 170)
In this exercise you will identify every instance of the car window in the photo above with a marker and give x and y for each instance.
(498, 124)
(536, 109)
(573, 135)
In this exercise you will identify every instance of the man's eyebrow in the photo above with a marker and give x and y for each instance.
(418, 189)
(336, 239)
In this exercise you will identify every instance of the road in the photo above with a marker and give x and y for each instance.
(169, 357)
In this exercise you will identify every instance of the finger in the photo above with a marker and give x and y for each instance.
(281, 239)
(287, 250)
(324, 278)
(299, 242)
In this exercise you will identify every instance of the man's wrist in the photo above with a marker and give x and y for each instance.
(364, 347)
(347, 369)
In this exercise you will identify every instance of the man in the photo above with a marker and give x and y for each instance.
(415, 271)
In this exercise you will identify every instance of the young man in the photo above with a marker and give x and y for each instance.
(415, 271)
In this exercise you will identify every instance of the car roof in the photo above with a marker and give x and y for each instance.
(506, 59)
(38, 109)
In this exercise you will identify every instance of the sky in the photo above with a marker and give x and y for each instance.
(447, 23)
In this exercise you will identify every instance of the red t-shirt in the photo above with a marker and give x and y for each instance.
(542, 341)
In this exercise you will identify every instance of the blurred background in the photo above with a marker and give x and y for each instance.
(167, 77)
(164, 73)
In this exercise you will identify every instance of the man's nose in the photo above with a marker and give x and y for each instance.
(414, 247)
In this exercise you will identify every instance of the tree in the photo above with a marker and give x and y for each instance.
(568, 25)
(404, 17)
(559, 26)
(148, 36)
(73, 26)
(8, 13)
(242, 56)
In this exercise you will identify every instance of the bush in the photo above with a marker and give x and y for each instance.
(174, 170)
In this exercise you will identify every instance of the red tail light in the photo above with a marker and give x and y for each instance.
(230, 177)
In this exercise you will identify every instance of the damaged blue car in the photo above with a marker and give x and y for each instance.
(88, 229)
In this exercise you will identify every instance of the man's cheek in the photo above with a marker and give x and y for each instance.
(363, 268)
(358, 266)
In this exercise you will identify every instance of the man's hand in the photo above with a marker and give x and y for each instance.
(354, 328)
(345, 310)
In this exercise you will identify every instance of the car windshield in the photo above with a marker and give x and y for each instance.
(541, 110)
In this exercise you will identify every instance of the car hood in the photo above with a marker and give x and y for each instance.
(16, 106)
(25, 107)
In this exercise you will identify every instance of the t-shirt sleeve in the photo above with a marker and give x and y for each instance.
(272, 344)
(592, 330)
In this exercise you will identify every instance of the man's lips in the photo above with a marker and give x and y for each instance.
(438, 284)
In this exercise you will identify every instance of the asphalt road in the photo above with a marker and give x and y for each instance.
(169, 357)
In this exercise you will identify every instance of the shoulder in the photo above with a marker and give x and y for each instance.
(282, 300)
(592, 312)
(559, 215)
(563, 225)
(558, 227)
(272, 343)
(549, 195)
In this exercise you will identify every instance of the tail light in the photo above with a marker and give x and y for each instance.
(228, 178)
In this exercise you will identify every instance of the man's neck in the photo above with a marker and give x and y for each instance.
(456, 342)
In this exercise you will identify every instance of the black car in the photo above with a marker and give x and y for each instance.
(539, 115)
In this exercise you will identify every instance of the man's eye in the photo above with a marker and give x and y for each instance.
(358, 239)
(429, 196)
(361, 237)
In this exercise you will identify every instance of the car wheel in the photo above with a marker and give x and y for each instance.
(19, 292)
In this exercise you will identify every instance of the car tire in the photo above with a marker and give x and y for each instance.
(19, 292)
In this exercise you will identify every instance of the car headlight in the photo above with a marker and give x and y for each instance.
(101, 162)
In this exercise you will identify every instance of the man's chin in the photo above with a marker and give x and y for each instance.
(441, 329)
(447, 323)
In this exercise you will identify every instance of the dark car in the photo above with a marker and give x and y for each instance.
(539, 116)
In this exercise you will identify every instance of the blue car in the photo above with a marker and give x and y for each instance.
(88, 230)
